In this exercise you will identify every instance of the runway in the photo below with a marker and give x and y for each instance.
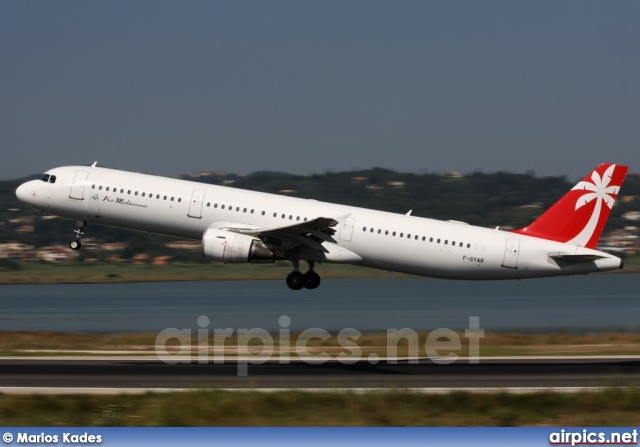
(22, 375)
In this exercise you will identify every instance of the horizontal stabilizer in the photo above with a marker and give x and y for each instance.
(576, 258)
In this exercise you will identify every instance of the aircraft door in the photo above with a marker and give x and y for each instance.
(511, 253)
(77, 187)
(197, 199)
(346, 229)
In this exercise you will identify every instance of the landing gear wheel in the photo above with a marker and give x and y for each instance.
(75, 245)
(311, 280)
(295, 280)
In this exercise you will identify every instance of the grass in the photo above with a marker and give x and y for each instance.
(492, 344)
(613, 407)
(74, 273)
(103, 272)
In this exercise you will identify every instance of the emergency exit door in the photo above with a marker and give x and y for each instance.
(77, 187)
(346, 230)
(195, 207)
(511, 253)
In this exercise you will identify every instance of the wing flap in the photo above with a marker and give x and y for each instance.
(311, 234)
(319, 224)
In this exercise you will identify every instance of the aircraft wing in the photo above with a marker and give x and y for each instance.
(322, 224)
(310, 233)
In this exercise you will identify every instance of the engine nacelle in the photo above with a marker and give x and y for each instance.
(229, 247)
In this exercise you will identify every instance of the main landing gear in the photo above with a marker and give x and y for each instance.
(75, 245)
(297, 280)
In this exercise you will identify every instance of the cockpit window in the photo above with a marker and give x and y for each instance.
(45, 178)
(52, 179)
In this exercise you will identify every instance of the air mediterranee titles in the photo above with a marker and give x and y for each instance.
(120, 201)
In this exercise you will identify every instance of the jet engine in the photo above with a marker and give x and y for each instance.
(229, 247)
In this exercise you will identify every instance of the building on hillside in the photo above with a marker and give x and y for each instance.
(16, 251)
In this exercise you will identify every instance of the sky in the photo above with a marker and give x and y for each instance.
(171, 88)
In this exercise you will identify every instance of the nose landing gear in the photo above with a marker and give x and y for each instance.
(76, 244)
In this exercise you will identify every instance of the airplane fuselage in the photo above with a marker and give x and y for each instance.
(366, 237)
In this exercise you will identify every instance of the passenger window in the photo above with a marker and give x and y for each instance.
(290, 217)
(263, 213)
(430, 239)
(222, 207)
(129, 191)
(438, 241)
(446, 242)
(179, 199)
(93, 186)
(394, 233)
(275, 214)
(165, 197)
(107, 188)
(424, 238)
(215, 205)
(283, 216)
(100, 187)
(371, 230)
(172, 199)
(157, 196)
(252, 211)
(386, 233)
(416, 238)
(364, 228)
(305, 219)
(401, 234)
(298, 218)
(461, 244)
(237, 208)
(379, 231)
(121, 190)
(244, 210)
(408, 236)
(468, 245)
(453, 243)
(142, 194)
(137, 194)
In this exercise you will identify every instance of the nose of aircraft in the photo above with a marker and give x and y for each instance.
(22, 192)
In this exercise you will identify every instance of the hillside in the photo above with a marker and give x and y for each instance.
(504, 199)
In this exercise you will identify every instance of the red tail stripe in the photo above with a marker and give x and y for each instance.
(580, 216)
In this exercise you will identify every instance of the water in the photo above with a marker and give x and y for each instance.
(575, 304)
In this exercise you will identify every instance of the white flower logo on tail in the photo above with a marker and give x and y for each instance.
(600, 192)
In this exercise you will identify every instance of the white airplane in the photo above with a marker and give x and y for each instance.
(239, 226)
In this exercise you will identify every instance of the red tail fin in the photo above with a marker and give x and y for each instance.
(579, 217)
